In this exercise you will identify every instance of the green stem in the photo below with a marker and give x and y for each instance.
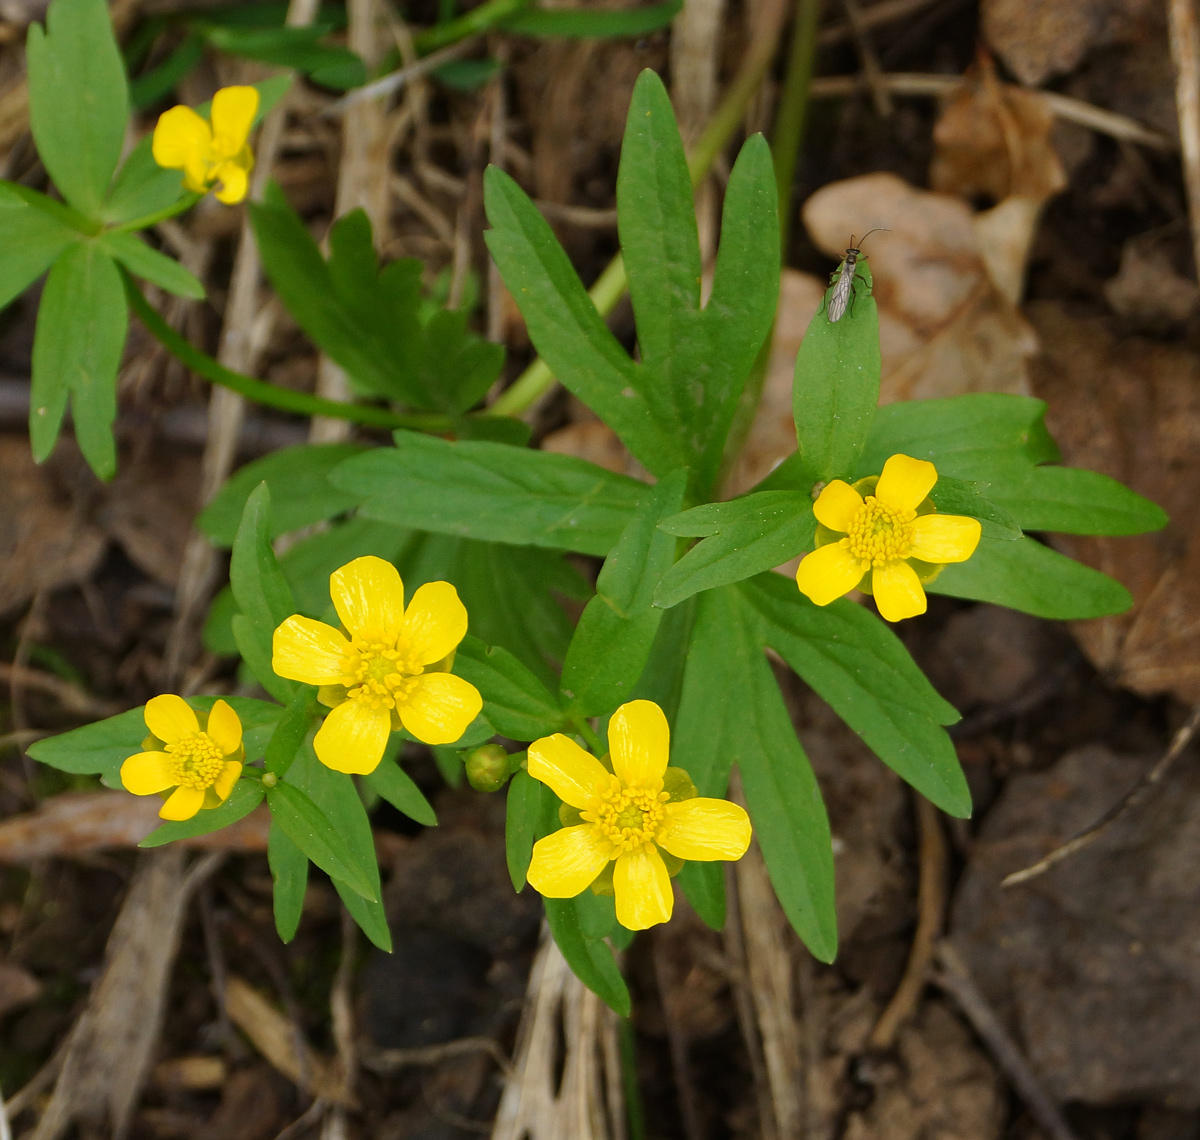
(148, 220)
(480, 19)
(793, 109)
(589, 734)
(300, 403)
(629, 1083)
(612, 284)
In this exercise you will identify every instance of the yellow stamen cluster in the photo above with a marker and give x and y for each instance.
(880, 533)
(628, 818)
(196, 761)
(379, 674)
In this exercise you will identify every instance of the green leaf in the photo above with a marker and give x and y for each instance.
(741, 538)
(492, 492)
(289, 871)
(732, 711)
(529, 803)
(697, 362)
(616, 631)
(342, 805)
(965, 437)
(290, 732)
(160, 81)
(78, 99)
(99, 748)
(31, 240)
(309, 828)
(141, 187)
(704, 885)
(862, 670)
(298, 48)
(1074, 501)
(81, 327)
(515, 702)
(246, 796)
(591, 24)
(394, 784)
(960, 497)
(142, 261)
(1025, 575)
(262, 594)
(566, 328)
(662, 679)
(102, 747)
(836, 387)
(301, 494)
(590, 959)
(370, 320)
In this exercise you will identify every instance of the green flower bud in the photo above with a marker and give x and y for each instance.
(487, 768)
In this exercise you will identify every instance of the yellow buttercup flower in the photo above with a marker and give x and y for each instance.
(391, 672)
(213, 152)
(627, 818)
(201, 764)
(885, 537)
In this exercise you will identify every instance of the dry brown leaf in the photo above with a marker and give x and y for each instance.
(994, 139)
(45, 539)
(945, 326)
(78, 822)
(1131, 409)
(1149, 288)
(1040, 38)
(192, 1072)
(282, 1043)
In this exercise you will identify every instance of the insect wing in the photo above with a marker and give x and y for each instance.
(841, 293)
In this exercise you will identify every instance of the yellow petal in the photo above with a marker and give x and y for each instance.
(828, 573)
(837, 505)
(567, 862)
(705, 829)
(147, 773)
(353, 738)
(440, 708)
(182, 803)
(235, 182)
(898, 592)
(233, 111)
(905, 482)
(640, 741)
(224, 729)
(575, 776)
(435, 622)
(643, 889)
(944, 538)
(181, 139)
(369, 598)
(223, 784)
(170, 718)
(308, 651)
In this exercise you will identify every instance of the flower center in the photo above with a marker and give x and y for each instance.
(628, 817)
(879, 533)
(380, 674)
(196, 761)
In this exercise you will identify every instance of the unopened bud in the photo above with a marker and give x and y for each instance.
(269, 779)
(487, 768)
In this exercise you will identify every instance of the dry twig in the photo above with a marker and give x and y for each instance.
(1185, 51)
(931, 911)
(872, 71)
(392, 1060)
(1130, 800)
(955, 979)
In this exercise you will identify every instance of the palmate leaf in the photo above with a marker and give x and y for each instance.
(731, 711)
(492, 492)
(31, 241)
(80, 335)
(862, 670)
(78, 99)
(674, 408)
